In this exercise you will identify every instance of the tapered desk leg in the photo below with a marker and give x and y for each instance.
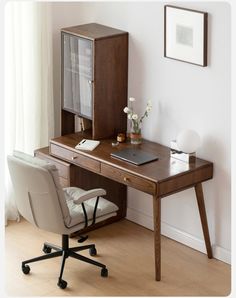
(157, 235)
(202, 211)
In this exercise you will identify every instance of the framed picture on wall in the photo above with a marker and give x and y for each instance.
(185, 35)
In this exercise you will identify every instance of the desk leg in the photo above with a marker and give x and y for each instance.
(202, 211)
(157, 235)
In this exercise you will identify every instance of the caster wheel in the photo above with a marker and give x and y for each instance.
(104, 272)
(93, 251)
(62, 284)
(25, 269)
(47, 249)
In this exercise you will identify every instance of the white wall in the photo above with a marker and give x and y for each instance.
(183, 96)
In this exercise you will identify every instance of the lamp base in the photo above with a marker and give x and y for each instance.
(176, 153)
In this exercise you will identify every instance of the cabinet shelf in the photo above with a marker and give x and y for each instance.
(94, 78)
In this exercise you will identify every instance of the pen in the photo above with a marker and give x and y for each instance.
(82, 142)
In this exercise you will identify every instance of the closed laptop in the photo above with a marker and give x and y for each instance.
(134, 156)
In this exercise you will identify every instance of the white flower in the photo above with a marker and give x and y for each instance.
(134, 116)
(135, 119)
(131, 99)
(126, 110)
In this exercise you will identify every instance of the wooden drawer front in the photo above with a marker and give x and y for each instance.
(63, 170)
(128, 179)
(75, 158)
(64, 182)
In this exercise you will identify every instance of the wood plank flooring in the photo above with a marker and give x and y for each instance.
(127, 250)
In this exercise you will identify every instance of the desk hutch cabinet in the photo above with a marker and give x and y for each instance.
(94, 75)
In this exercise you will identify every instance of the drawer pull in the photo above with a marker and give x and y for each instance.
(74, 157)
(126, 179)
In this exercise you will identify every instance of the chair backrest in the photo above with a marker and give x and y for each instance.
(39, 196)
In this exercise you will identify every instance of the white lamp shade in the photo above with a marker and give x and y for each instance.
(188, 141)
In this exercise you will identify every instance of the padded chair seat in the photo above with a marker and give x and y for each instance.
(105, 208)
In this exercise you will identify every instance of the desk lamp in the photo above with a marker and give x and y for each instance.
(185, 145)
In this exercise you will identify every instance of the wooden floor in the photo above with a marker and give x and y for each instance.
(127, 250)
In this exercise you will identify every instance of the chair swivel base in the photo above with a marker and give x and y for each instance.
(65, 252)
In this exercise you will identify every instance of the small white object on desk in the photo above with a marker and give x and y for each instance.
(87, 145)
(184, 148)
(188, 141)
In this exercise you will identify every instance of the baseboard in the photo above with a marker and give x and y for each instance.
(178, 235)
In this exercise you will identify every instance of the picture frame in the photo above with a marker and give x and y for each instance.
(185, 35)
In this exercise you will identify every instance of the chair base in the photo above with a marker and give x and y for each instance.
(65, 252)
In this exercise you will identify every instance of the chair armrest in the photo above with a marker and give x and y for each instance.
(86, 195)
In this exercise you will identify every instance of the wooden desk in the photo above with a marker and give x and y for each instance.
(159, 178)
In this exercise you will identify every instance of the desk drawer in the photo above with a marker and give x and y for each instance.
(64, 182)
(128, 179)
(75, 158)
(63, 170)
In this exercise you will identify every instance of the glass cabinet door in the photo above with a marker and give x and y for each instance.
(77, 75)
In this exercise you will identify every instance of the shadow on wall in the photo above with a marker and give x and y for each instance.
(137, 82)
(218, 201)
(136, 71)
(165, 128)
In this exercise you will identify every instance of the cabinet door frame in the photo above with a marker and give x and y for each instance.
(90, 80)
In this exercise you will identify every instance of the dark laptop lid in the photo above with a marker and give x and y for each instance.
(134, 156)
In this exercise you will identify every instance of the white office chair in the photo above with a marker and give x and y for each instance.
(41, 201)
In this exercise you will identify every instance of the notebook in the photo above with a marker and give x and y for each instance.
(86, 144)
(134, 156)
